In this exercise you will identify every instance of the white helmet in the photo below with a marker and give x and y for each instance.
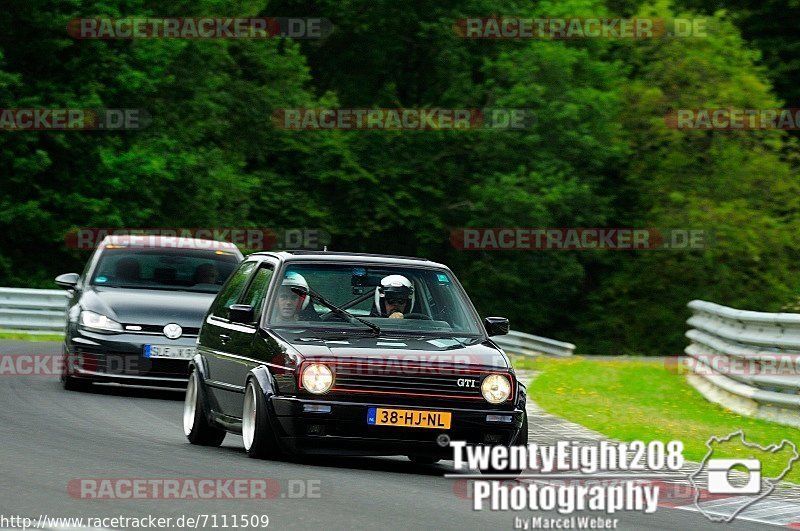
(396, 285)
(296, 280)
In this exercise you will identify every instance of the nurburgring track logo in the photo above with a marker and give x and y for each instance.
(718, 470)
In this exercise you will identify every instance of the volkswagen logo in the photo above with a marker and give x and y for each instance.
(173, 331)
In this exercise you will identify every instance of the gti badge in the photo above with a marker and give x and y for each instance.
(464, 382)
(173, 331)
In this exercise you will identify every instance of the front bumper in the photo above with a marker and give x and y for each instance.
(120, 358)
(344, 431)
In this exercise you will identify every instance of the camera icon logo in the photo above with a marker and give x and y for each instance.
(732, 491)
(719, 476)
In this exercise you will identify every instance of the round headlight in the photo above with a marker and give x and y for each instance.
(317, 378)
(496, 388)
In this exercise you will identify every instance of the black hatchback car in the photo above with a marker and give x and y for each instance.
(135, 312)
(343, 353)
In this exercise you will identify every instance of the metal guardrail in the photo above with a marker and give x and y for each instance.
(530, 345)
(739, 359)
(32, 311)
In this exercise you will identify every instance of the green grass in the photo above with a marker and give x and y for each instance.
(630, 400)
(30, 337)
(523, 362)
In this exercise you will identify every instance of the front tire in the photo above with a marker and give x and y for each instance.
(195, 421)
(75, 384)
(69, 382)
(260, 441)
(522, 436)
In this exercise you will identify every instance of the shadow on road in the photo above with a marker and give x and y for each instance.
(397, 464)
(134, 392)
(391, 464)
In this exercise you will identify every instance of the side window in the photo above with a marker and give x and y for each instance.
(231, 291)
(258, 289)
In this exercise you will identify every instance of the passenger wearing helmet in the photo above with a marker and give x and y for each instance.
(394, 297)
(291, 303)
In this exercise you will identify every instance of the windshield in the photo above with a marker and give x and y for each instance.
(396, 299)
(171, 269)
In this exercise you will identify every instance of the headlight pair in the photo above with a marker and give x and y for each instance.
(317, 378)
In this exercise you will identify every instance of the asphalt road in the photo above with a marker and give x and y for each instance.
(49, 437)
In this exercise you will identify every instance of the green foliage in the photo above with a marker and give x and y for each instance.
(735, 185)
(771, 27)
(599, 154)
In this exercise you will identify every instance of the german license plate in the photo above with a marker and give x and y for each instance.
(409, 418)
(169, 351)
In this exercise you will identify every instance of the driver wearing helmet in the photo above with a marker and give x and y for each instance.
(394, 297)
(291, 303)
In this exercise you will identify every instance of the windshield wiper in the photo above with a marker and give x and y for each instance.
(341, 312)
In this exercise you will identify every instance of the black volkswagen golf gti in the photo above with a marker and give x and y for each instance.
(342, 353)
(134, 314)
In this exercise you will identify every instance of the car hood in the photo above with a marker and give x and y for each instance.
(149, 307)
(443, 351)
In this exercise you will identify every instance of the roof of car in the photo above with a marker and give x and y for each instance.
(338, 256)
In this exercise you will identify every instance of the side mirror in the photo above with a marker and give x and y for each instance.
(496, 326)
(240, 313)
(67, 280)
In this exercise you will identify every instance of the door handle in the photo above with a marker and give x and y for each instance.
(224, 338)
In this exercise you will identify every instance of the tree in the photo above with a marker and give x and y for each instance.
(738, 186)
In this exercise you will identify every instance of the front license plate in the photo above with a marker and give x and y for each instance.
(169, 351)
(409, 418)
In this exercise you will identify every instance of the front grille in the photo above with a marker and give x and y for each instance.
(376, 378)
(159, 329)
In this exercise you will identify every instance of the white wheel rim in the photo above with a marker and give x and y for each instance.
(249, 417)
(190, 405)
